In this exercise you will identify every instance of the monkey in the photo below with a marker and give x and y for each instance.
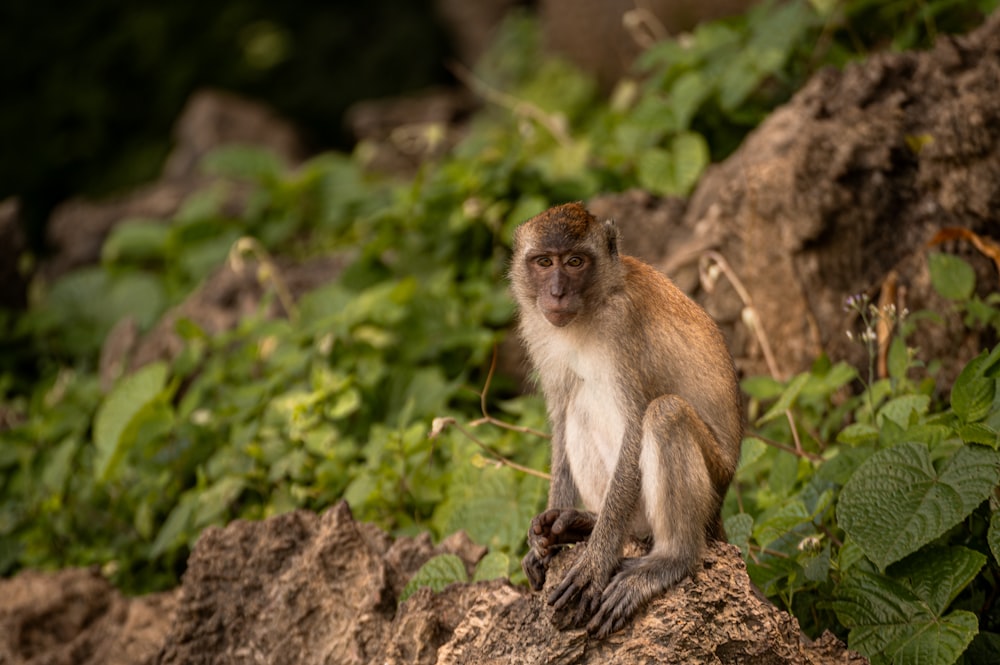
(646, 416)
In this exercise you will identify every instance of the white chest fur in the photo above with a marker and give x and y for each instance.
(594, 423)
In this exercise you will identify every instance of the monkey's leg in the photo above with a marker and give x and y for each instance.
(679, 501)
(549, 530)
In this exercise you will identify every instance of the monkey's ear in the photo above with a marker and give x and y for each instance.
(613, 237)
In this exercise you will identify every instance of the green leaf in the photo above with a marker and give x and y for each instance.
(492, 566)
(60, 465)
(897, 501)
(136, 241)
(900, 409)
(119, 411)
(762, 387)
(739, 528)
(938, 574)
(972, 394)
(980, 433)
(775, 523)
(816, 565)
(993, 535)
(856, 434)
(437, 573)
(899, 358)
(751, 450)
(786, 400)
(243, 161)
(690, 156)
(951, 276)
(177, 528)
(346, 403)
(886, 617)
(686, 97)
(655, 170)
(213, 503)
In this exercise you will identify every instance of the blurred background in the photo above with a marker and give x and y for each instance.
(91, 90)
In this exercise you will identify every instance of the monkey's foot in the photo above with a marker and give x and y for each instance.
(578, 595)
(639, 581)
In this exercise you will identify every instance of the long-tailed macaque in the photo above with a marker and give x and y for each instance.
(645, 412)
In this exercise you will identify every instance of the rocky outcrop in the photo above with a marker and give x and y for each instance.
(304, 588)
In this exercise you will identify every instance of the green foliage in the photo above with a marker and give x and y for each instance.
(955, 279)
(847, 506)
(445, 569)
(877, 512)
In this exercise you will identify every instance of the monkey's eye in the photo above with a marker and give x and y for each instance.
(575, 262)
(543, 261)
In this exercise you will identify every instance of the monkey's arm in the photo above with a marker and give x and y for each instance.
(586, 580)
(562, 490)
(561, 523)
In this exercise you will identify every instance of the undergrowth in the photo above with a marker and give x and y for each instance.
(869, 514)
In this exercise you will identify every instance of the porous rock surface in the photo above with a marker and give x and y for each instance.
(304, 588)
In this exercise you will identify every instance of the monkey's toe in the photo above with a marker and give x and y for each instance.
(609, 619)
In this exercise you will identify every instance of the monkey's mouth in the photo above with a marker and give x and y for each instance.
(559, 317)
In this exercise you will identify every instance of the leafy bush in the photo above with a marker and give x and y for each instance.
(877, 512)
(869, 514)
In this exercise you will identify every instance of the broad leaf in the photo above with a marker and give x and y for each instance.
(897, 501)
(119, 410)
(437, 573)
(993, 535)
(951, 276)
(786, 400)
(739, 528)
(492, 566)
(888, 617)
(937, 575)
(900, 409)
(972, 394)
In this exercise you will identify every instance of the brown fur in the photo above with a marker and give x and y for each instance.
(645, 410)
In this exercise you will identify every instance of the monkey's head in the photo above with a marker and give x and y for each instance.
(564, 260)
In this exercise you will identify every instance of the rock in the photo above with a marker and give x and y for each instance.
(75, 617)
(303, 588)
(77, 229)
(603, 37)
(214, 118)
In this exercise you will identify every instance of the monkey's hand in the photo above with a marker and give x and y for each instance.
(579, 594)
(548, 530)
(559, 526)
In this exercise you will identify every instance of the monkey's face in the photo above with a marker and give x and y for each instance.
(560, 281)
(566, 263)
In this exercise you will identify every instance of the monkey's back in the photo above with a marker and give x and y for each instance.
(682, 351)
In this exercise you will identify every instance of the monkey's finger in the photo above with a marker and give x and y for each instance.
(573, 526)
(617, 607)
(542, 522)
(582, 614)
(540, 545)
(603, 625)
(534, 569)
(567, 590)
